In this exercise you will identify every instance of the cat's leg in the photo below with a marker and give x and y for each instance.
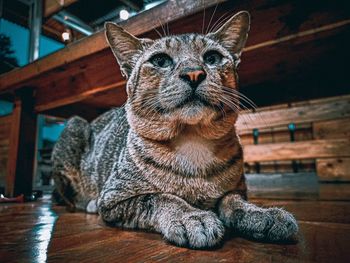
(268, 224)
(73, 185)
(179, 222)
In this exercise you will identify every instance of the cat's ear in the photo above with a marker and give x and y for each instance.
(234, 33)
(126, 47)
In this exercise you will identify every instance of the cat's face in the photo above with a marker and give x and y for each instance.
(191, 78)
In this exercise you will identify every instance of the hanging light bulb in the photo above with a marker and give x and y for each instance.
(66, 36)
(124, 14)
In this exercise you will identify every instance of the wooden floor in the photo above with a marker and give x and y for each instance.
(40, 231)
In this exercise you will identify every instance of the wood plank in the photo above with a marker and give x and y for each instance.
(40, 232)
(333, 169)
(332, 129)
(297, 150)
(22, 145)
(303, 166)
(318, 243)
(4, 142)
(13, 151)
(106, 88)
(169, 11)
(335, 109)
(281, 135)
(5, 119)
(279, 26)
(334, 191)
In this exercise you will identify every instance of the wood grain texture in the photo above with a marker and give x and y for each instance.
(13, 147)
(319, 110)
(74, 65)
(332, 129)
(297, 150)
(169, 11)
(20, 165)
(278, 135)
(5, 128)
(39, 232)
(333, 169)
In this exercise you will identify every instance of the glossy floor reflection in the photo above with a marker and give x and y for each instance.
(41, 232)
(26, 231)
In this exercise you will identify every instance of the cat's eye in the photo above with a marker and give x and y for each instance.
(161, 60)
(212, 57)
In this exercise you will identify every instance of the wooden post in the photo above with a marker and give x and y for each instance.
(21, 154)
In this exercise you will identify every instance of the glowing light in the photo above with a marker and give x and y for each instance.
(65, 36)
(123, 14)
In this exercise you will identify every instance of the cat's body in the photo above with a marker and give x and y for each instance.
(170, 160)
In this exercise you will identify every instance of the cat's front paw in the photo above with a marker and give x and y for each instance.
(284, 225)
(272, 224)
(196, 229)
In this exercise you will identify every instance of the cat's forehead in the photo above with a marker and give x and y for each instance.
(182, 43)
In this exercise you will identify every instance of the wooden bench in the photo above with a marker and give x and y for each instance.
(321, 136)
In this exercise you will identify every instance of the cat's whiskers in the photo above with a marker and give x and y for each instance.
(161, 24)
(167, 27)
(211, 18)
(234, 94)
(240, 103)
(151, 104)
(159, 34)
(220, 21)
(250, 103)
(203, 20)
(234, 107)
(242, 99)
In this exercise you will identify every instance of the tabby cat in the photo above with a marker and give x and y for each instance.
(169, 160)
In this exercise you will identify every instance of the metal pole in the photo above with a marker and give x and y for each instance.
(36, 11)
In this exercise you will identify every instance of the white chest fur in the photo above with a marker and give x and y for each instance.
(194, 153)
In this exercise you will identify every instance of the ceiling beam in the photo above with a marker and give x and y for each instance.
(133, 4)
(53, 6)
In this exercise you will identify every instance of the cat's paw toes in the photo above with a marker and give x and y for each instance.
(252, 223)
(91, 207)
(272, 224)
(199, 229)
(284, 225)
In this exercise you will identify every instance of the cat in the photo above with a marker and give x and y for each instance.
(170, 160)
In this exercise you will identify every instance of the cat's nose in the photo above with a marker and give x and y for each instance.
(193, 76)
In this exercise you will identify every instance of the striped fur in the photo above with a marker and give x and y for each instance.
(170, 159)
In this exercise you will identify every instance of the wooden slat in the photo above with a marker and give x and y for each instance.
(282, 135)
(332, 129)
(303, 166)
(333, 169)
(297, 150)
(335, 109)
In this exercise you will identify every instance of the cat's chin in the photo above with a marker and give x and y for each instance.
(193, 114)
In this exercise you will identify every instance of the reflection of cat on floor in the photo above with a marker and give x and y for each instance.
(170, 159)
